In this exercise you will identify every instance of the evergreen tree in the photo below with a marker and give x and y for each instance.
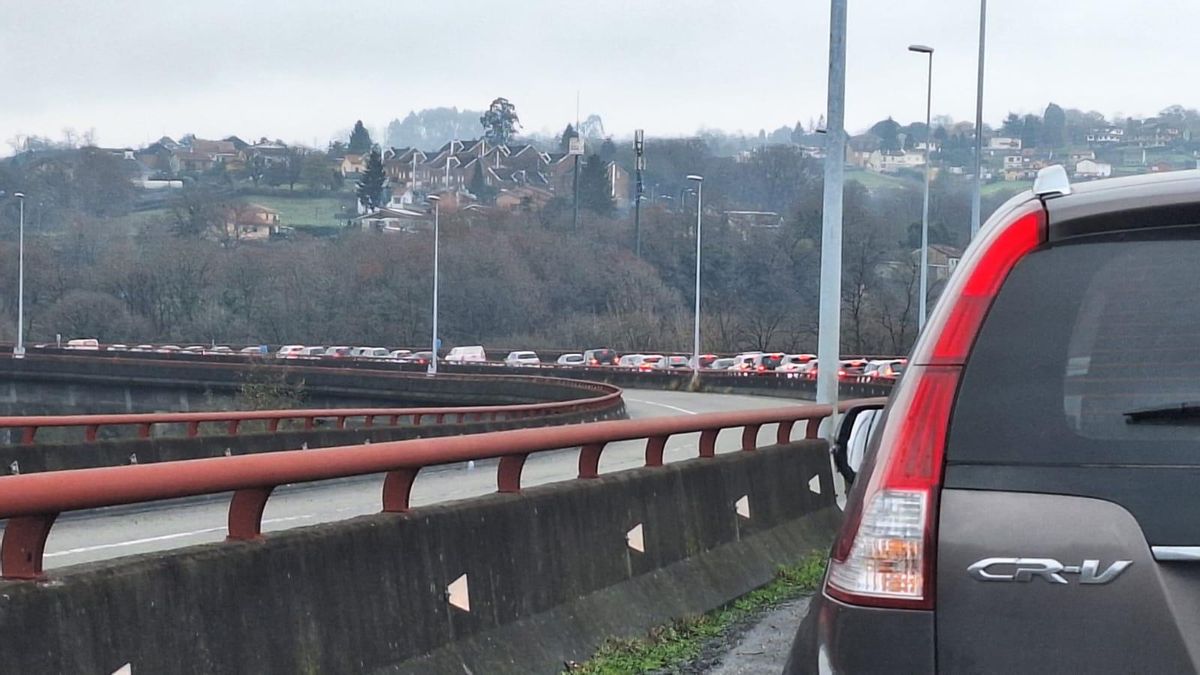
(370, 185)
(360, 139)
(594, 194)
(500, 122)
(479, 187)
(1054, 127)
(1012, 126)
(1031, 131)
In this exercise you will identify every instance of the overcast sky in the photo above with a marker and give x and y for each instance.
(301, 70)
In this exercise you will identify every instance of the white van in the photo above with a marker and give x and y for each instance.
(88, 344)
(473, 354)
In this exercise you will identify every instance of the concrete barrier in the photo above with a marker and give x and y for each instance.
(549, 572)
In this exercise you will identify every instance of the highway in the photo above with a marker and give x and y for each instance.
(102, 534)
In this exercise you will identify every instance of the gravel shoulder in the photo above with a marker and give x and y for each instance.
(756, 646)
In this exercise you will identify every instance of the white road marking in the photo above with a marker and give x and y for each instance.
(165, 537)
(662, 405)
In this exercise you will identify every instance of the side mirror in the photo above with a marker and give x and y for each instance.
(850, 443)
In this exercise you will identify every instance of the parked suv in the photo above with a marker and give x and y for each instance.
(1028, 501)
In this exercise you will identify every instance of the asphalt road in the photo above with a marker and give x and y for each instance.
(110, 533)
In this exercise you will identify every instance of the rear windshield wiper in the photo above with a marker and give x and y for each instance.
(1186, 412)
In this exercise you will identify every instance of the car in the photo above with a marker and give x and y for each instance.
(850, 369)
(650, 361)
(795, 363)
(219, 350)
(289, 351)
(570, 360)
(1026, 500)
(399, 354)
(314, 352)
(745, 361)
(885, 369)
(522, 359)
(601, 357)
(83, 344)
(723, 363)
(471, 354)
(117, 348)
(372, 353)
(419, 358)
(338, 352)
(193, 349)
(767, 361)
(705, 361)
(167, 349)
(626, 360)
(674, 362)
(253, 350)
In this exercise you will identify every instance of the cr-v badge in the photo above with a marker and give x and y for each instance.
(1025, 569)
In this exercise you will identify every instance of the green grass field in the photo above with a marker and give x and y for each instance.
(877, 181)
(1005, 187)
(306, 211)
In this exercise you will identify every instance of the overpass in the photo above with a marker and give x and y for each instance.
(515, 580)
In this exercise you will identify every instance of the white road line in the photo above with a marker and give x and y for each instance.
(165, 537)
(662, 405)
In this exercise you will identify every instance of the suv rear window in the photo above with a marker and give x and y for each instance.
(1080, 335)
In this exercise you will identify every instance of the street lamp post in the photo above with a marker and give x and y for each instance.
(639, 166)
(19, 349)
(432, 370)
(699, 180)
(922, 49)
(976, 199)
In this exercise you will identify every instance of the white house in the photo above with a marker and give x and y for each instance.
(1003, 143)
(884, 163)
(1090, 168)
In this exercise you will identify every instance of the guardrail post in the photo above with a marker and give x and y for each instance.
(416, 420)
(812, 427)
(784, 435)
(245, 513)
(232, 427)
(341, 422)
(708, 442)
(23, 546)
(369, 421)
(508, 474)
(144, 430)
(655, 445)
(89, 432)
(589, 460)
(193, 429)
(273, 424)
(397, 488)
(308, 423)
(27, 435)
(750, 437)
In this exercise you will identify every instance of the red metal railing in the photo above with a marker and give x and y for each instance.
(232, 421)
(32, 502)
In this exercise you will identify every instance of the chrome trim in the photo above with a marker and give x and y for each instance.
(1052, 182)
(1176, 553)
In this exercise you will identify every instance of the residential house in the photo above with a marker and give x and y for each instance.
(271, 152)
(943, 260)
(1081, 155)
(881, 162)
(390, 219)
(1105, 136)
(1090, 168)
(253, 222)
(523, 198)
(352, 165)
(1003, 143)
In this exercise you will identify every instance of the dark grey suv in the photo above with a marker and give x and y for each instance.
(1030, 499)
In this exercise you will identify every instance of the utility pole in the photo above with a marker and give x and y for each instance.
(639, 138)
(976, 208)
(830, 330)
(576, 148)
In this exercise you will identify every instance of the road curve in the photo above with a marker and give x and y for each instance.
(102, 534)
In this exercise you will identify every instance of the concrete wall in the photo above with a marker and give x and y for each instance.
(549, 572)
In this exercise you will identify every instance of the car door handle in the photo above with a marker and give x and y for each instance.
(1176, 553)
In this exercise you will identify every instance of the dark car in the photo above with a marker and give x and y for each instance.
(600, 357)
(1030, 499)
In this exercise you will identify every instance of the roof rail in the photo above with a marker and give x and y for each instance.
(1052, 182)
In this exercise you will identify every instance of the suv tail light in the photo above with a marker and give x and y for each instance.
(884, 554)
